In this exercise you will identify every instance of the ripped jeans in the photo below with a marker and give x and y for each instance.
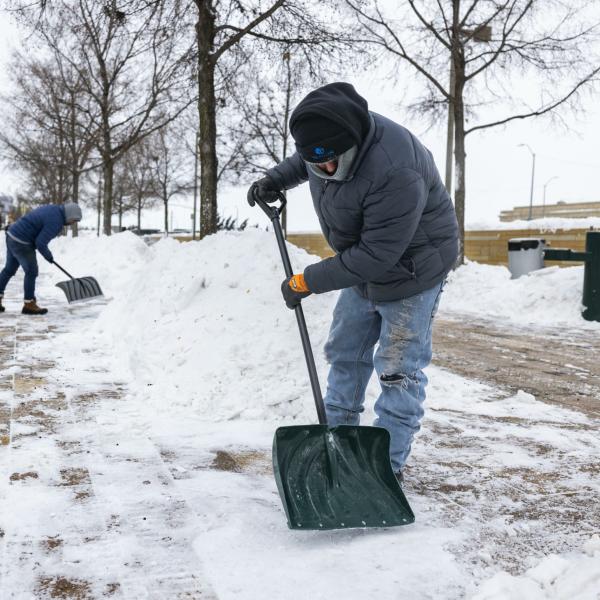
(403, 330)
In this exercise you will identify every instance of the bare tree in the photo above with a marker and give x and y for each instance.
(138, 176)
(553, 44)
(171, 172)
(257, 134)
(224, 31)
(49, 131)
(131, 58)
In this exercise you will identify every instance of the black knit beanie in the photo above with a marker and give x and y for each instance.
(318, 139)
(329, 121)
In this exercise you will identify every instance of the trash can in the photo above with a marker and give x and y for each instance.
(525, 255)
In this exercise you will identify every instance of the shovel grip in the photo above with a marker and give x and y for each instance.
(273, 212)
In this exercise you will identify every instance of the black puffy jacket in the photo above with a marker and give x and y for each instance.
(391, 221)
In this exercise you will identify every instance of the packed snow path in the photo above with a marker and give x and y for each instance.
(89, 508)
(100, 499)
(558, 365)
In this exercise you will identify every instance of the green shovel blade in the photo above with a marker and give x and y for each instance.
(338, 478)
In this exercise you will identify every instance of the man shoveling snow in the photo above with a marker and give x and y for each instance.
(34, 232)
(384, 210)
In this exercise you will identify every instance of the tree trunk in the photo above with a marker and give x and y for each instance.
(107, 174)
(194, 215)
(459, 130)
(286, 117)
(139, 213)
(120, 213)
(459, 178)
(75, 179)
(99, 206)
(166, 203)
(205, 33)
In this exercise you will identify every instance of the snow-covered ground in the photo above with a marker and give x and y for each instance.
(549, 297)
(178, 380)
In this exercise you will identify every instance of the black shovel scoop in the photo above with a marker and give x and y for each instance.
(80, 288)
(332, 477)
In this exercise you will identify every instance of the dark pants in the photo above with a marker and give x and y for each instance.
(20, 255)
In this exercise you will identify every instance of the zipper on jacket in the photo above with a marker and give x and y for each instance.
(325, 183)
(322, 195)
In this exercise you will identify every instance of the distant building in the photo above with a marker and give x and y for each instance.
(7, 205)
(569, 210)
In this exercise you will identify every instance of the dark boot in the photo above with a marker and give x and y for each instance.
(30, 307)
(2, 309)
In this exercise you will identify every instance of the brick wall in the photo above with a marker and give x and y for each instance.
(489, 247)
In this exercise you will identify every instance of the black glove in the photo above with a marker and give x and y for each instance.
(291, 290)
(264, 189)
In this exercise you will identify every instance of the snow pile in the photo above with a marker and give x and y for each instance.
(566, 577)
(111, 260)
(547, 297)
(203, 324)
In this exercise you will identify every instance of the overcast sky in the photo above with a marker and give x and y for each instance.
(498, 171)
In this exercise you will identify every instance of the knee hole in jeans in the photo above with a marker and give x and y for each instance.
(401, 379)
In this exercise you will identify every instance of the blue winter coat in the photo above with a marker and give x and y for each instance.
(40, 227)
(391, 221)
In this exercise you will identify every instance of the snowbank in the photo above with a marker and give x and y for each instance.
(566, 577)
(547, 298)
(202, 324)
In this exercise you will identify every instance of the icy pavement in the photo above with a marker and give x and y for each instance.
(558, 365)
(104, 498)
(89, 509)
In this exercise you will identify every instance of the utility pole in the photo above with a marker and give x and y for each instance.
(532, 180)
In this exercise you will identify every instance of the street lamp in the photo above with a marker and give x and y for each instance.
(532, 179)
(544, 197)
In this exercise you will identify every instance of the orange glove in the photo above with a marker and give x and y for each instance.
(294, 289)
(298, 284)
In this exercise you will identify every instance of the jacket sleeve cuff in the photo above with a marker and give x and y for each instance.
(313, 276)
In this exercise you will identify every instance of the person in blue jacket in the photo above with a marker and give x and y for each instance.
(385, 212)
(34, 232)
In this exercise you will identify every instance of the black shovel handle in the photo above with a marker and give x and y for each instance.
(273, 212)
(65, 272)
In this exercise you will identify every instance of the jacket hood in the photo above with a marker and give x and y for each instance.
(338, 102)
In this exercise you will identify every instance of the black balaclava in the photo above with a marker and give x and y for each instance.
(329, 121)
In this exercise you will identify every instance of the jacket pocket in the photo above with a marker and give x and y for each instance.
(407, 264)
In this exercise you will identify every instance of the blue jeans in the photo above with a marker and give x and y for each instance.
(20, 255)
(403, 330)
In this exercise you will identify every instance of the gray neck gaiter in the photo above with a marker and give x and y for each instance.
(344, 163)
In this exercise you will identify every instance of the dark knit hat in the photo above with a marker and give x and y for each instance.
(318, 139)
(329, 121)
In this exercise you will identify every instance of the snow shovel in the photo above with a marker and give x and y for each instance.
(332, 477)
(80, 288)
